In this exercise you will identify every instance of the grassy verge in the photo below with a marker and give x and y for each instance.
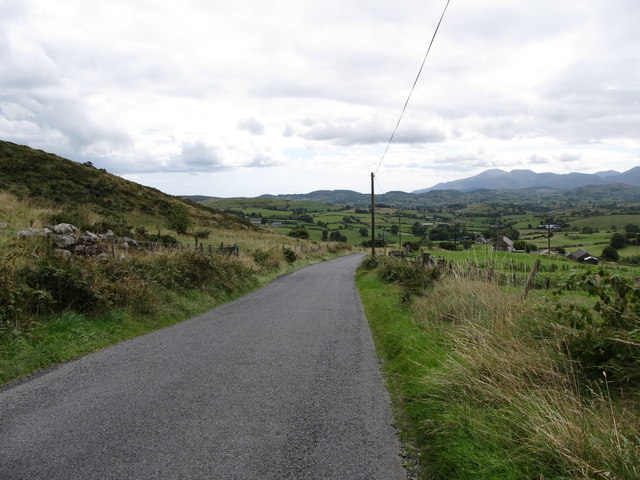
(55, 309)
(484, 390)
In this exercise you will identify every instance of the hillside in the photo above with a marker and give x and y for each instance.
(618, 192)
(89, 195)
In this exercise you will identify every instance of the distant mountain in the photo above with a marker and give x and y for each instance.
(496, 179)
(198, 198)
(340, 197)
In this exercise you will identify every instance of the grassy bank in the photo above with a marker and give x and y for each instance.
(55, 308)
(485, 386)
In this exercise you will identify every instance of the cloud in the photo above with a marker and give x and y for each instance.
(262, 161)
(139, 86)
(252, 126)
(372, 131)
(199, 157)
(536, 159)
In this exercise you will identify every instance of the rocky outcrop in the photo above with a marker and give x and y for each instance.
(69, 241)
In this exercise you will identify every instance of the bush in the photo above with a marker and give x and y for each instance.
(337, 236)
(267, 260)
(289, 255)
(301, 232)
(617, 240)
(607, 336)
(414, 279)
(48, 284)
(448, 246)
(370, 262)
(610, 253)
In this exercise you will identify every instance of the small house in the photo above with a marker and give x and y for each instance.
(582, 256)
(504, 244)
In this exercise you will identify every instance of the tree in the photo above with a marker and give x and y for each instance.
(520, 245)
(364, 232)
(325, 235)
(610, 253)
(336, 236)
(178, 219)
(617, 240)
(394, 229)
(299, 233)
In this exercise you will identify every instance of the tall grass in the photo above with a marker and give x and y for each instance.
(498, 398)
(53, 308)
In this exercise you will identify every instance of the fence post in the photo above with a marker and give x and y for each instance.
(532, 276)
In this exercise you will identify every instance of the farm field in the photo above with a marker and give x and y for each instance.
(456, 226)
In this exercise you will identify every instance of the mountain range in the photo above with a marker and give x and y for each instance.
(496, 179)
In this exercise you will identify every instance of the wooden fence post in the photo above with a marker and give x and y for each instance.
(532, 276)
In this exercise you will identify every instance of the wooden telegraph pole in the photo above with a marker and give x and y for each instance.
(373, 219)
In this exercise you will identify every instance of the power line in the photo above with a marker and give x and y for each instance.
(413, 87)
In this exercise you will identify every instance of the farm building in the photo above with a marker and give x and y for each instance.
(504, 244)
(582, 256)
(480, 240)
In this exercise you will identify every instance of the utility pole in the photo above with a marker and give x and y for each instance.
(373, 219)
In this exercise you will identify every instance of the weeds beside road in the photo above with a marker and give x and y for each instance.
(485, 387)
(53, 309)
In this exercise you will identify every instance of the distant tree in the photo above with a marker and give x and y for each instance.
(299, 233)
(520, 245)
(325, 235)
(610, 253)
(418, 230)
(364, 232)
(617, 240)
(305, 218)
(337, 236)
(394, 229)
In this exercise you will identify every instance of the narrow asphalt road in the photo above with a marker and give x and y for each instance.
(282, 383)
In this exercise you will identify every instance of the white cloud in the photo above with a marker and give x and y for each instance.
(252, 126)
(238, 88)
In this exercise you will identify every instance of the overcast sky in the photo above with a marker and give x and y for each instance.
(245, 97)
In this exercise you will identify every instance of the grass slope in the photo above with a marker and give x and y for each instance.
(87, 195)
(483, 388)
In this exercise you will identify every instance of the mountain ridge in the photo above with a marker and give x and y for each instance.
(496, 179)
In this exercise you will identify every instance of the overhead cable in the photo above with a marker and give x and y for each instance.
(413, 87)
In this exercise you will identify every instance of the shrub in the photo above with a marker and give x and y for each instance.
(301, 232)
(448, 246)
(617, 240)
(337, 236)
(414, 279)
(607, 336)
(610, 253)
(289, 255)
(370, 262)
(266, 259)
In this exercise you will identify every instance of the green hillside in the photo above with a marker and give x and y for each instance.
(86, 196)
(66, 295)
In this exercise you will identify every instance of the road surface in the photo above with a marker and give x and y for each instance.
(282, 383)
